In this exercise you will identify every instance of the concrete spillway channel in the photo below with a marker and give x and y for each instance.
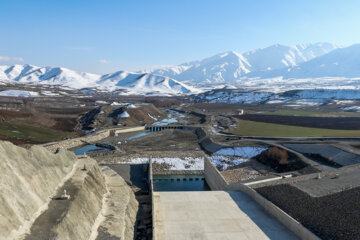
(213, 215)
(222, 213)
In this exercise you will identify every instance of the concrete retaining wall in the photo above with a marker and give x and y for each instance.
(217, 182)
(209, 146)
(213, 177)
(200, 133)
(205, 142)
(151, 190)
(74, 142)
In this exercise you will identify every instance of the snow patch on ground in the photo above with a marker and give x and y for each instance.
(274, 101)
(223, 162)
(124, 115)
(130, 106)
(49, 93)
(115, 104)
(18, 93)
(351, 109)
(234, 97)
(342, 102)
(138, 160)
(305, 97)
(308, 103)
(154, 118)
(165, 122)
(245, 152)
(101, 102)
(187, 163)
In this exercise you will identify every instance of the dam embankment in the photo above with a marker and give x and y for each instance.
(59, 196)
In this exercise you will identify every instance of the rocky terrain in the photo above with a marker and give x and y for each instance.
(334, 216)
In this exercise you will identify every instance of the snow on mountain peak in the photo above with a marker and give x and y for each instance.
(143, 83)
(129, 83)
(275, 62)
(232, 66)
(341, 62)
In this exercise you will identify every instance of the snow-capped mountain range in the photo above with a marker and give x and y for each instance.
(278, 67)
(232, 66)
(341, 62)
(123, 82)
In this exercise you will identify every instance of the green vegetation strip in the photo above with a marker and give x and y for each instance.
(251, 128)
(312, 113)
(30, 133)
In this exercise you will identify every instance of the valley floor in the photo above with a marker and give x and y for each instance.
(252, 128)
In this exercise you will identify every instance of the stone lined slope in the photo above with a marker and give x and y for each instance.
(28, 179)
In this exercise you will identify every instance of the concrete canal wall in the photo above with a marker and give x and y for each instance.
(74, 142)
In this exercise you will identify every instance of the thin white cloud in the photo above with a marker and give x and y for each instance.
(11, 59)
(104, 61)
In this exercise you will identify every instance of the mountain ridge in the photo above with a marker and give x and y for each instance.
(230, 66)
(278, 67)
(121, 81)
(341, 62)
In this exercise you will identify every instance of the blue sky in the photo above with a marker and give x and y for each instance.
(110, 35)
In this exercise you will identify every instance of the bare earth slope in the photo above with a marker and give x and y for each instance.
(100, 205)
(28, 179)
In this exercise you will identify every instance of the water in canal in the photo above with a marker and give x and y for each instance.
(179, 183)
(88, 149)
(139, 135)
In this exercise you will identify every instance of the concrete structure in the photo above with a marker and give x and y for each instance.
(329, 152)
(152, 128)
(217, 182)
(213, 215)
(74, 142)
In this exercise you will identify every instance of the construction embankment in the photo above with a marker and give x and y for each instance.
(97, 204)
